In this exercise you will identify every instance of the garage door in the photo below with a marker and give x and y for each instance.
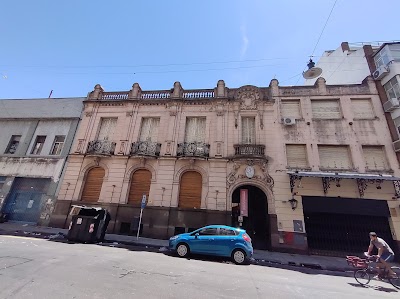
(190, 190)
(93, 183)
(341, 225)
(140, 184)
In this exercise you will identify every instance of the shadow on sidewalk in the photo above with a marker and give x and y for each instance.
(376, 288)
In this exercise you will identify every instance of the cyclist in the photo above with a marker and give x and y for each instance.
(385, 253)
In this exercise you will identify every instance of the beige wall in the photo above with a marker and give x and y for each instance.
(222, 134)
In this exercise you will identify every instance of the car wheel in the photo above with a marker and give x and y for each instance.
(239, 257)
(182, 250)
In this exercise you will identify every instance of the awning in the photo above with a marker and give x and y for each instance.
(362, 179)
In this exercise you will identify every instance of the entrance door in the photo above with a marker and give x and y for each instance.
(25, 199)
(256, 224)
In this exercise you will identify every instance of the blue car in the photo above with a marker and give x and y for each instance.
(218, 240)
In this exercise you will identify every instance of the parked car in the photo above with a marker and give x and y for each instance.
(217, 240)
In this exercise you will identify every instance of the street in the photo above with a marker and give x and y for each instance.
(38, 268)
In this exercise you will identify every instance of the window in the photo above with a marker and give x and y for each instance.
(195, 129)
(149, 129)
(107, 128)
(2, 181)
(381, 58)
(248, 130)
(227, 232)
(37, 148)
(290, 108)
(57, 145)
(392, 88)
(208, 232)
(296, 155)
(13, 145)
(397, 123)
(362, 108)
(326, 109)
(375, 158)
(334, 157)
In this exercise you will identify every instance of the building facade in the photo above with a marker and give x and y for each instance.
(297, 167)
(35, 139)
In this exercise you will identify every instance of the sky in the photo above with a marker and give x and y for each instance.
(70, 46)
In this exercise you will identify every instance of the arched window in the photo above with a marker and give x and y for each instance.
(93, 183)
(140, 183)
(190, 190)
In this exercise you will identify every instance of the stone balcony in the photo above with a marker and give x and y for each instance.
(249, 150)
(101, 147)
(193, 149)
(145, 148)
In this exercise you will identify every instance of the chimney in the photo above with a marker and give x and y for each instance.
(345, 46)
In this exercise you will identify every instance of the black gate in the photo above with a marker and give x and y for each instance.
(24, 202)
(340, 226)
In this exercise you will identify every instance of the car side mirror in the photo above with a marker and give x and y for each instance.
(196, 235)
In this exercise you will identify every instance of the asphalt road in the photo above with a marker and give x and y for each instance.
(37, 268)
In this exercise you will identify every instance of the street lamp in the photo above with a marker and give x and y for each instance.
(293, 202)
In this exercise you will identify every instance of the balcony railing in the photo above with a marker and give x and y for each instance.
(193, 149)
(249, 150)
(101, 147)
(146, 148)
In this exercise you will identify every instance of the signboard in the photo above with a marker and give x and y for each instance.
(143, 204)
(244, 202)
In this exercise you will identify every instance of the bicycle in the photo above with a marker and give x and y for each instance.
(365, 268)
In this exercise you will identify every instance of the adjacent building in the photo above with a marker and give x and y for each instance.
(35, 140)
(304, 168)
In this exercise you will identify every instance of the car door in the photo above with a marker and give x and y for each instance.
(203, 241)
(225, 242)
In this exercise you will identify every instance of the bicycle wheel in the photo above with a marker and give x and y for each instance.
(362, 277)
(395, 281)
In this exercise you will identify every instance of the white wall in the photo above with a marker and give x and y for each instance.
(342, 67)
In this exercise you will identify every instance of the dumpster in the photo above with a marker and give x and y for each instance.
(88, 224)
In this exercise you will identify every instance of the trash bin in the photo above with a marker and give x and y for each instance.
(88, 224)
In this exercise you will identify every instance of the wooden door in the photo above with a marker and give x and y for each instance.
(140, 183)
(190, 190)
(93, 183)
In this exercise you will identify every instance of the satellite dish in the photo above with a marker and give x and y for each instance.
(312, 72)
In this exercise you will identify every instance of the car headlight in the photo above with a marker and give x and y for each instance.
(173, 238)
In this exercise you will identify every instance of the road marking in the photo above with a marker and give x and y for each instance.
(18, 237)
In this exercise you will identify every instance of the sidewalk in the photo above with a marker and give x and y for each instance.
(261, 257)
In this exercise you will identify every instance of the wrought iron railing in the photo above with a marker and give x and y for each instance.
(146, 148)
(101, 147)
(249, 150)
(193, 149)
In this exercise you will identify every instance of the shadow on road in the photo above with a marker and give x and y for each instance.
(376, 288)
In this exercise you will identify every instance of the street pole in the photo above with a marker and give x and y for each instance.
(142, 206)
(140, 222)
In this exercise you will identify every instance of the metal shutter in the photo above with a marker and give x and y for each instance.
(334, 157)
(149, 130)
(140, 184)
(190, 190)
(107, 128)
(375, 158)
(362, 108)
(296, 155)
(291, 109)
(93, 183)
(248, 130)
(326, 109)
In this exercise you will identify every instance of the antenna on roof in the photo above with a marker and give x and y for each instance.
(312, 72)
(51, 92)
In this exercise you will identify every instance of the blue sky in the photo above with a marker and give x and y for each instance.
(69, 46)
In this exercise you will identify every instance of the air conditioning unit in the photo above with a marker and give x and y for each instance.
(380, 72)
(289, 121)
(396, 146)
(391, 105)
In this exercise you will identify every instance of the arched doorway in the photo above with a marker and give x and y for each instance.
(257, 222)
(94, 181)
(190, 190)
(140, 184)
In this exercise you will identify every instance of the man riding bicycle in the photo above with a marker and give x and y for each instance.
(385, 253)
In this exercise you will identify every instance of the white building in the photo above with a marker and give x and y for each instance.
(35, 139)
